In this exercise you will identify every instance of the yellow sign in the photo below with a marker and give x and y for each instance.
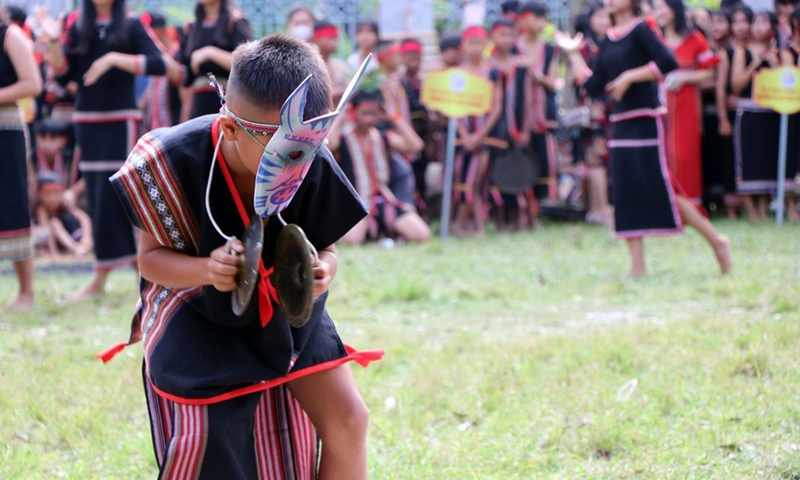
(778, 89)
(457, 93)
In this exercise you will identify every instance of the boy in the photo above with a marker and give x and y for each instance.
(384, 182)
(540, 57)
(68, 228)
(223, 390)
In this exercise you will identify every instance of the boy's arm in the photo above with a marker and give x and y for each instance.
(172, 269)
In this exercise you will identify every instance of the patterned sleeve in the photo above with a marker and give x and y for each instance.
(153, 198)
(662, 60)
(150, 61)
(706, 58)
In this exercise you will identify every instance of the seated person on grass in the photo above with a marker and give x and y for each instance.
(371, 161)
(69, 229)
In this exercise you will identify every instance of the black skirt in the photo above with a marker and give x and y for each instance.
(643, 195)
(756, 137)
(104, 148)
(15, 222)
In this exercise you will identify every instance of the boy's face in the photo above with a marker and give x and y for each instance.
(533, 24)
(391, 61)
(474, 47)
(412, 61)
(451, 57)
(327, 45)
(51, 197)
(368, 114)
(249, 144)
(50, 144)
(504, 38)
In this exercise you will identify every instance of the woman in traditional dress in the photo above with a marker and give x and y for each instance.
(19, 78)
(631, 60)
(684, 122)
(103, 51)
(216, 31)
(741, 18)
(756, 129)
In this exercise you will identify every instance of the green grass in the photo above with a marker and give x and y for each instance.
(506, 358)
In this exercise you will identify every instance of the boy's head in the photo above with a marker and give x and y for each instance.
(411, 49)
(367, 109)
(51, 137)
(473, 43)
(263, 75)
(326, 37)
(388, 55)
(450, 50)
(504, 35)
(533, 17)
(50, 192)
(510, 9)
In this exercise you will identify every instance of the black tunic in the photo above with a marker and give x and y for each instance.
(205, 100)
(643, 195)
(195, 347)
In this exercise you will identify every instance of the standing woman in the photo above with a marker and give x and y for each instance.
(19, 78)
(632, 58)
(216, 31)
(102, 52)
(756, 129)
(741, 18)
(684, 117)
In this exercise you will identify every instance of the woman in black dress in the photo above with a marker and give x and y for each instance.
(216, 31)
(102, 51)
(632, 58)
(19, 78)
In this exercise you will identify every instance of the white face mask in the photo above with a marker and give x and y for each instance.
(303, 32)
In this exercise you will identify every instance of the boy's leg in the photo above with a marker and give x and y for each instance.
(62, 236)
(636, 251)
(25, 298)
(339, 414)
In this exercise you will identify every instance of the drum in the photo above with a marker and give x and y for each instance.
(515, 170)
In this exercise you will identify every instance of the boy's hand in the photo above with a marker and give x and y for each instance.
(323, 276)
(223, 267)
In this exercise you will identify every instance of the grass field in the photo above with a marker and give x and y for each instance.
(514, 356)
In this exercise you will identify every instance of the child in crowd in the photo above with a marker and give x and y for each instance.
(369, 159)
(69, 229)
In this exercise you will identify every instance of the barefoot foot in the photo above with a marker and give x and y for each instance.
(723, 252)
(23, 302)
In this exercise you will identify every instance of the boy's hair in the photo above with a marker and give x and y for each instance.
(268, 70)
(364, 96)
(450, 42)
(368, 25)
(537, 8)
(502, 23)
(51, 126)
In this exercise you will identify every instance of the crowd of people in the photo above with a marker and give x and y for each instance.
(80, 89)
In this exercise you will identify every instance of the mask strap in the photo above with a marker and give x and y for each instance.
(208, 190)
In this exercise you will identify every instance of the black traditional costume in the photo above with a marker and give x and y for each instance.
(215, 382)
(105, 120)
(204, 99)
(15, 222)
(644, 193)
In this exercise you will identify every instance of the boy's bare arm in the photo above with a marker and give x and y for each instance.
(172, 269)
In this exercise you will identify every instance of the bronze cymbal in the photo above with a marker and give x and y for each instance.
(248, 265)
(294, 279)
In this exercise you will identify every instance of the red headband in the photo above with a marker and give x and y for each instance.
(395, 48)
(411, 47)
(51, 186)
(498, 27)
(146, 19)
(329, 31)
(474, 32)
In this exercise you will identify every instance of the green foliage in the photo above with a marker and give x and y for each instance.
(507, 357)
